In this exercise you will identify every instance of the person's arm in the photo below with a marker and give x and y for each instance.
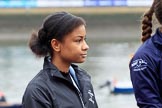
(36, 97)
(144, 77)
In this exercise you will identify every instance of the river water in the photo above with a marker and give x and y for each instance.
(106, 60)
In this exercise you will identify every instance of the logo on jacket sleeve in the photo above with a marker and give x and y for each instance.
(91, 96)
(138, 65)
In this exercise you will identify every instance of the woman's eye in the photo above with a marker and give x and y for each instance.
(79, 40)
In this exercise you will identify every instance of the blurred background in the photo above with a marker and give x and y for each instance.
(113, 32)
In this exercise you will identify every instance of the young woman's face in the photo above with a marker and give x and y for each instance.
(74, 47)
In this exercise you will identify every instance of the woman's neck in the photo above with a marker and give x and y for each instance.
(63, 67)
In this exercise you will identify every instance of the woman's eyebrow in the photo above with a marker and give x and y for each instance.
(81, 36)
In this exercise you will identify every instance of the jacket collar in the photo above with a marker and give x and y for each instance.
(54, 71)
(157, 39)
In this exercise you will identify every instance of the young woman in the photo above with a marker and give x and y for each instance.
(60, 84)
(146, 65)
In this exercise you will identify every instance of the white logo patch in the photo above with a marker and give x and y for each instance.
(139, 64)
(91, 96)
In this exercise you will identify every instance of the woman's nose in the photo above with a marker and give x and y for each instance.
(85, 46)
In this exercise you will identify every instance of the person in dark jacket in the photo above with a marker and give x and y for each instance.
(2, 97)
(146, 65)
(60, 84)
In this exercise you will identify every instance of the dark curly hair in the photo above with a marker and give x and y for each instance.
(55, 26)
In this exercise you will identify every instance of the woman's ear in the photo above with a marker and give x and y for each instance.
(55, 45)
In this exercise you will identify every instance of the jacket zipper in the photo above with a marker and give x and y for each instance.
(81, 99)
(80, 95)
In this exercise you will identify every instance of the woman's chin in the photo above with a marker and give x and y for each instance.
(81, 61)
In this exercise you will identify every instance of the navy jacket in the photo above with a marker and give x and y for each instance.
(50, 89)
(146, 72)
